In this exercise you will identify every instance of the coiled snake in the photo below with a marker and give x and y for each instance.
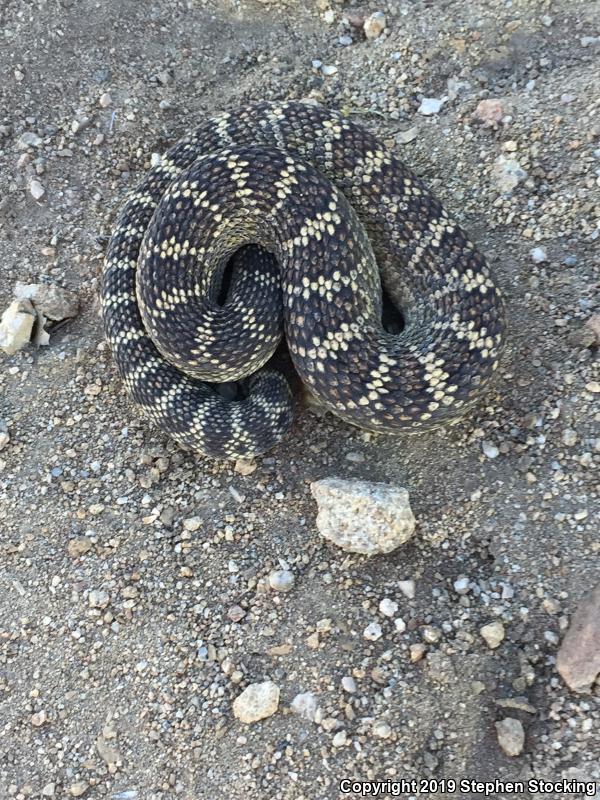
(307, 214)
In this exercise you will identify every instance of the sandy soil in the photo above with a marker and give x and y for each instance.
(125, 637)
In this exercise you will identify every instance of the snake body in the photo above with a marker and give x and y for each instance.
(309, 215)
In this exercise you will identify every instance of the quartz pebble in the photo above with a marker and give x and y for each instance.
(373, 632)
(257, 701)
(388, 607)
(490, 450)
(493, 633)
(16, 326)
(281, 580)
(407, 588)
(511, 736)
(363, 517)
(538, 255)
(374, 25)
(305, 705)
(431, 105)
(36, 190)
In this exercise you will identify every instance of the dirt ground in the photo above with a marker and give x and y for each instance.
(124, 635)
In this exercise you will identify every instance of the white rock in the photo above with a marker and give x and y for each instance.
(538, 255)
(507, 174)
(16, 326)
(490, 449)
(340, 739)
(382, 730)
(400, 625)
(373, 632)
(431, 105)
(98, 598)
(493, 633)
(348, 684)
(36, 190)
(388, 607)
(363, 517)
(511, 736)
(329, 69)
(281, 580)
(407, 588)
(257, 701)
(461, 585)
(4, 439)
(305, 705)
(192, 524)
(105, 100)
(374, 25)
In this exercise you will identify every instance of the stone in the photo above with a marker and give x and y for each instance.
(50, 300)
(431, 105)
(107, 752)
(382, 730)
(79, 546)
(373, 632)
(78, 789)
(36, 190)
(511, 736)
(493, 633)
(489, 112)
(29, 139)
(4, 439)
(329, 69)
(408, 588)
(538, 255)
(281, 580)
(348, 684)
(374, 25)
(388, 607)
(192, 524)
(105, 100)
(363, 517)
(305, 705)
(578, 659)
(507, 174)
(490, 450)
(257, 701)
(16, 326)
(98, 598)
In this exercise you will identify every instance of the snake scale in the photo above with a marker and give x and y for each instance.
(288, 219)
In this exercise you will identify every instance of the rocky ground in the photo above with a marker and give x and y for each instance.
(137, 590)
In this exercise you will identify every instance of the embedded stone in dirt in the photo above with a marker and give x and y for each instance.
(578, 660)
(257, 701)
(16, 326)
(363, 517)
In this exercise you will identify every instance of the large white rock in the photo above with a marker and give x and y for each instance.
(257, 701)
(16, 326)
(50, 300)
(363, 517)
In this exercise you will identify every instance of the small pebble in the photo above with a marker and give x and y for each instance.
(373, 632)
(431, 105)
(257, 701)
(569, 437)
(348, 684)
(281, 580)
(36, 189)
(388, 607)
(490, 449)
(329, 69)
(105, 100)
(493, 633)
(511, 736)
(305, 705)
(407, 588)
(192, 524)
(374, 25)
(461, 585)
(382, 730)
(538, 255)
(339, 740)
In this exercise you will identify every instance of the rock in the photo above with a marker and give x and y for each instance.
(538, 255)
(407, 588)
(578, 660)
(493, 634)
(507, 174)
(417, 651)
(29, 139)
(382, 730)
(245, 466)
(388, 607)
(363, 517)
(461, 585)
(518, 703)
(39, 718)
(79, 546)
(78, 789)
(339, 739)
(281, 580)
(192, 524)
(329, 69)
(490, 450)
(36, 190)
(50, 300)
(373, 632)
(431, 105)
(257, 701)
(374, 25)
(16, 326)
(48, 790)
(404, 137)
(569, 437)
(4, 439)
(98, 598)
(305, 705)
(489, 112)
(511, 736)
(107, 752)
(105, 100)
(348, 684)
